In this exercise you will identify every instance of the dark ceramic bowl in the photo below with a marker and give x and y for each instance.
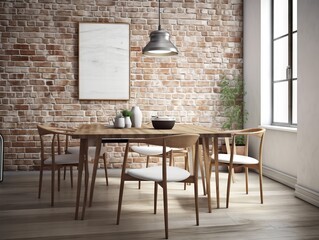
(163, 123)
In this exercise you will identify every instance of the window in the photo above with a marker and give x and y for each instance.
(284, 62)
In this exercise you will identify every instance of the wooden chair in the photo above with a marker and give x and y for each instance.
(55, 159)
(228, 151)
(69, 150)
(91, 153)
(156, 151)
(232, 160)
(163, 174)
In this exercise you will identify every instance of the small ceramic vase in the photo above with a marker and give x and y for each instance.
(128, 122)
(119, 122)
(136, 117)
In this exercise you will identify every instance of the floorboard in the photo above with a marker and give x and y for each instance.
(24, 216)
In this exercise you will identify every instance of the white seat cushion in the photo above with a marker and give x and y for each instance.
(63, 159)
(238, 159)
(149, 150)
(74, 150)
(178, 149)
(174, 174)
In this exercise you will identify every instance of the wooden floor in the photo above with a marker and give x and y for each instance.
(282, 216)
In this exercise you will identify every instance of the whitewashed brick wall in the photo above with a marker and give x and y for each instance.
(39, 66)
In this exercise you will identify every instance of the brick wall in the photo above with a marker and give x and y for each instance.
(39, 66)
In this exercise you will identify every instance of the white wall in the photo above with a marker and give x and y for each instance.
(285, 158)
(280, 148)
(308, 97)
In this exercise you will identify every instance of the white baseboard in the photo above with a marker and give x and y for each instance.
(307, 195)
(290, 181)
(281, 177)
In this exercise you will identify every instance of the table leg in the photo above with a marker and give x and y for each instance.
(205, 144)
(86, 185)
(202, 170)
(216, 169)
(82, 160)
(95, 164)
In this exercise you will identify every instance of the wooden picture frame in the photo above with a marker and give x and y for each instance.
(104, 61)
(1, 157)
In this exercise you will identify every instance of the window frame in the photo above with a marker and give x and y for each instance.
(289, 75)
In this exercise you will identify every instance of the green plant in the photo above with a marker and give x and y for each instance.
(126, 113)
(232, 94)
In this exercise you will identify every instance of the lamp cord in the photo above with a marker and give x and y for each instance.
(159, 14)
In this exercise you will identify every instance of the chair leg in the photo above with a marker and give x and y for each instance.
(164, 186)
(215, 148)
(186, 167)
(233, 175)
(105, 170)
(171, 159)
(202, 173)
(40, 182)
(52, 185)
(64, 173)
(228, 185)
(196, 202)
(261, 186)
(155, 197)
(147, 163)
(246, 178)
(59, 179)
(71, 176)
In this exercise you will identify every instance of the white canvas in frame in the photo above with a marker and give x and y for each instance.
(104, 61)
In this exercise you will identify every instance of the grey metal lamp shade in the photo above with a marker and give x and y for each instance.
(160, 45)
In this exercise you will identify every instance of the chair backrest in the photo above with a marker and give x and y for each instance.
(249, 133)
(172, 141)
(55, 134)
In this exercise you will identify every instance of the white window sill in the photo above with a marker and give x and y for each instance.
(280, 128)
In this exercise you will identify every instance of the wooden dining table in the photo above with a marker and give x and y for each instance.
(98, 132)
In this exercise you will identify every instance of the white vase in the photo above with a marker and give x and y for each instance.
(128, 122)
(136, 117)
(119, 122)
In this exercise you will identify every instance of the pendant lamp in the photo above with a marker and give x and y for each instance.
(159, 44)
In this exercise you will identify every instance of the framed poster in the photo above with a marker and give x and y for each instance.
(104, 61)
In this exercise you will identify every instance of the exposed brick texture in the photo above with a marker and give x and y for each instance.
(39, 66)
